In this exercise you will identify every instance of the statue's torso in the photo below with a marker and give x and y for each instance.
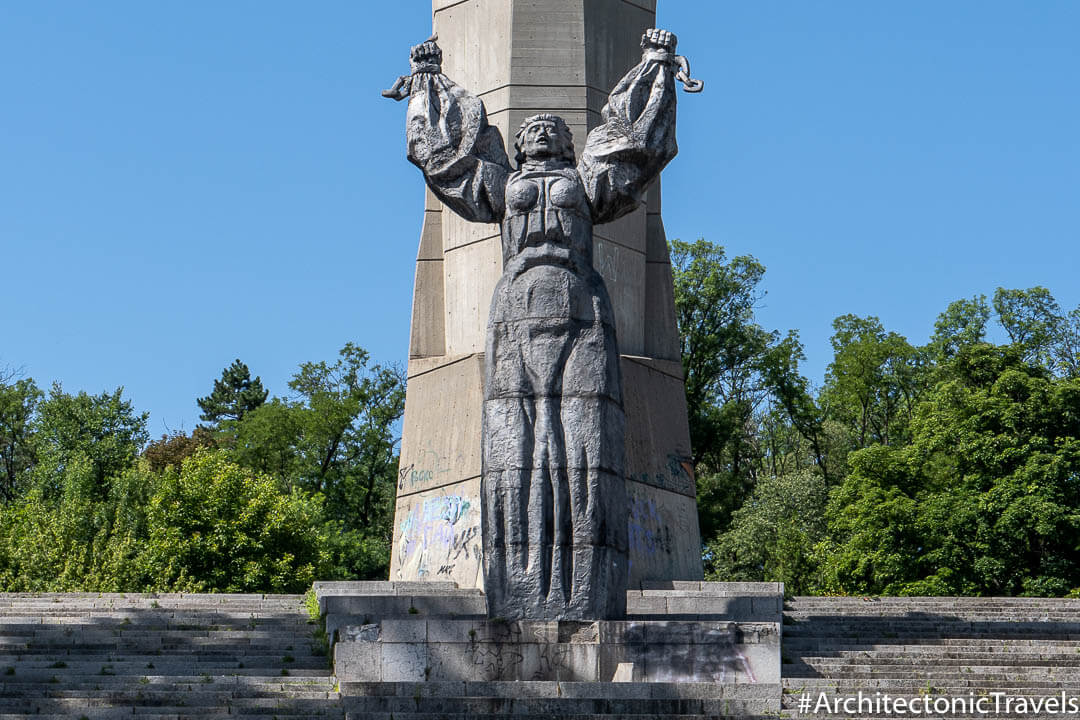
(547, 213)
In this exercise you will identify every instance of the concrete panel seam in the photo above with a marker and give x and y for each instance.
(656, 488)
(471, 242)
(530, 85)
(538, 109)
(597, 234)
(402, 495)
(454, 5)
(440, 367)
(633, 359)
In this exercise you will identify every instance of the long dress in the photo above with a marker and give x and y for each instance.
(554, 507)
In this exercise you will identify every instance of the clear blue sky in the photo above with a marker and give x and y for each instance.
(186, 183)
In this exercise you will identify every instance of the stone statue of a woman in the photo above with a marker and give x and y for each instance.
(553, 488)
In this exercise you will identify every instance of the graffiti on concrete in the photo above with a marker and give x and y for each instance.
(426, 470)
(437, 533)
(646, 532)
(676, 475)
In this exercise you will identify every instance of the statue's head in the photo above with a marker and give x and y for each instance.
(543, 137)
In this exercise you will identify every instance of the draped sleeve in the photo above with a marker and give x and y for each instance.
(462, 157)
(636, 140)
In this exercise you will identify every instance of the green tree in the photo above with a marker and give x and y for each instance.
(77, 536)
(348, 436)
(104, 430)
(18, 402)
(721, 345)
(873, 382)
(725, 355)
(982, 501)
(962, 324)
(215, 526)
(1032, 319)
(173, 449)
(235, 394)
(1067, 353)
(338, 438)
(269, 440)
(797, 408)
(773, 535)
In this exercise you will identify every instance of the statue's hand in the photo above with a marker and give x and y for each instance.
(426, 57)
(659, 45)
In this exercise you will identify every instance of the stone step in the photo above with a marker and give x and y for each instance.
(824, 627)
(991, 664)
(922, 644)
(153, 644)
(954, 667)
(945, 655)
(899, 686)
(157, 693)
(365, 715)
(109, 683)
(108, 669)
(836, 600)
(996, 612)
(944, 608)
(558, 688)
(164, 665)
(967, 679)
(185, 713)
(876, 637)
(474, 706)
(189, 700)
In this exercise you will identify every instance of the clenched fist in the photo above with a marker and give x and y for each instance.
(426, 57)
(658, 44)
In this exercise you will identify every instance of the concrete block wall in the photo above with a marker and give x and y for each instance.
(523, 57)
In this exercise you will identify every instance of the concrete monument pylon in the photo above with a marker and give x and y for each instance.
(523, 57)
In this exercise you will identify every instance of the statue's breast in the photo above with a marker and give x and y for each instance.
(522, 196)
(552, 190)
(566, 194)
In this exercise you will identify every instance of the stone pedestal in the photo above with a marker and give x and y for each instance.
(715, 644)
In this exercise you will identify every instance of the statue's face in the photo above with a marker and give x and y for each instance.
(543, 140)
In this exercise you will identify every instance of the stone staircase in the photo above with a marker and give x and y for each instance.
(931, 648)
(253, 656)
(167, 657)
(535, 700)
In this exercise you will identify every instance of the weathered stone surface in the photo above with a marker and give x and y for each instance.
(656, 651)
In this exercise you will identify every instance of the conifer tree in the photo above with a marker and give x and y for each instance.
(234, 395)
